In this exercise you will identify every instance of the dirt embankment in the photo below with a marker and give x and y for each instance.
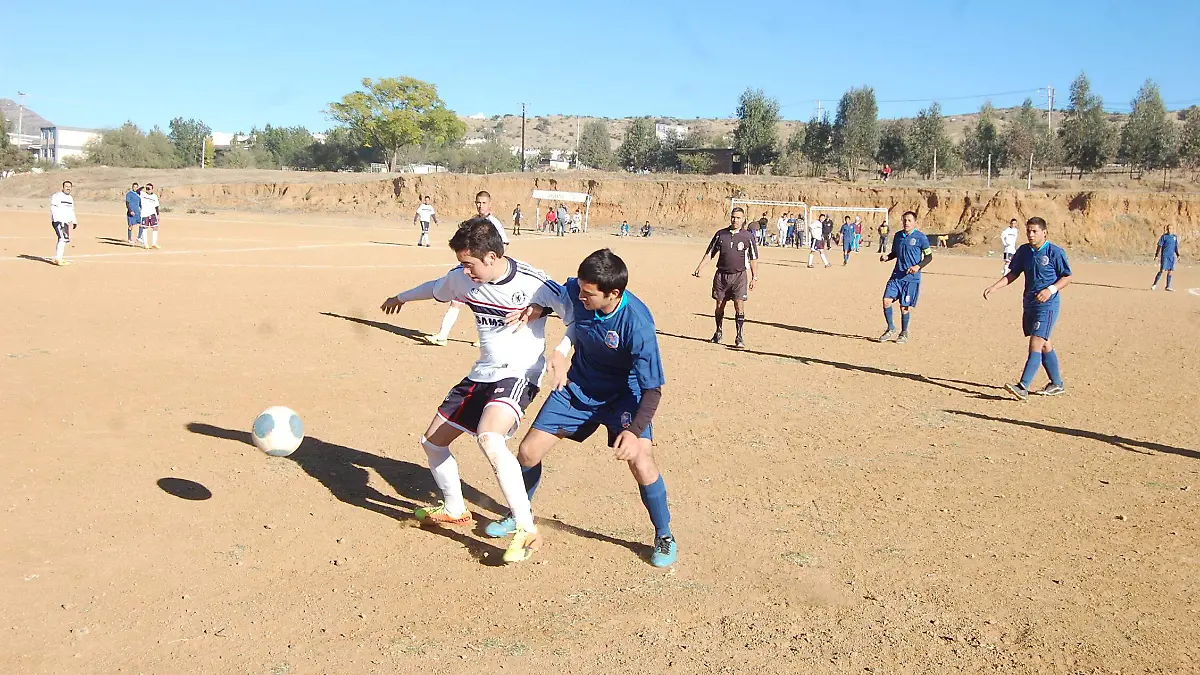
(1109, 223)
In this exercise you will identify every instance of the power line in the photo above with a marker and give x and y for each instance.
(927, 100)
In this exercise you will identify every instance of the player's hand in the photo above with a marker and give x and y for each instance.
(391, 305)
(987, 291)
(883, 258)
(696, 273)
(913, 270)
(627, 447)
(523, 316)
(1044, 295)
(557, 370)
(752, 281)
(74, 226)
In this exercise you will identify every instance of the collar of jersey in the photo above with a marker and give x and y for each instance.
(1043, 246)
(606, 317)
(512, 272)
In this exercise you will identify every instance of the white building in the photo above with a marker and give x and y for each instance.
(664, 131)
(61, 143)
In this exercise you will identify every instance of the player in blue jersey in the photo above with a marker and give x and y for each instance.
(1166, 252)
(1046, 273)
(848, 245)
(614, 381)
(911, 251)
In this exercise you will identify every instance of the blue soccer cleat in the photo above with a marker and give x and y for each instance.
(665, 552)
(501, 528)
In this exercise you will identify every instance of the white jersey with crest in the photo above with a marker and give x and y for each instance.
(504, 351)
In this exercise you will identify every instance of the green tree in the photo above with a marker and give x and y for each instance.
(817, 147)
(341, 150)
(393, 113)
(210, 152)
(12, 158)
(695, 163)
(639, 150)
(856, 130)
(1021, 139)
(1189, 139)
(490, 157)
(929, 145)
(543, 125)
(594, 146)
(984, 142)
(237, 157)
(893, 146)
(756, 137)
(127, 146)
(1148, 140)
(188, 138)
(791, 161)
(1087, 137)
(283, 146)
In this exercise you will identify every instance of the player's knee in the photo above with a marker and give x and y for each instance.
(492, 444)
(436, 453)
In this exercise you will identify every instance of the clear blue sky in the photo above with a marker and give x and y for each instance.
(240, 64)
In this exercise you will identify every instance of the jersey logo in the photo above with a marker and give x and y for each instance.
(499, 390)
(626, 419)
(519, 298)
(741, 246)
(1037, 325)
(612, 340)
(912, 241)
(1045, 260)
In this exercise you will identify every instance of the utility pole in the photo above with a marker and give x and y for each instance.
(20, 117)
(818, 110)
(522, 137)
(1050, 109)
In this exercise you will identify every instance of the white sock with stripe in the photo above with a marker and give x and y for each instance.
(444, 468)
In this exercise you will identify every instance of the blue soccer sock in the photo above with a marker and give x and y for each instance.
(887, 314)
(654, 497)
(1050, 362)
(532, 475)
(904, 317)
(845, 257)
(1031, 367)
(1168, 279)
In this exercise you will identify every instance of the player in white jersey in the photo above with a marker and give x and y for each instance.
(816, 240)
(425, 215)
(483, 208)
(490, 402)
(1008, 239)
(149, 218)
(62, 218)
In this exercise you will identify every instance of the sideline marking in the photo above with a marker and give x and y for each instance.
(161, 252)
(1194, 291)
(155, 263)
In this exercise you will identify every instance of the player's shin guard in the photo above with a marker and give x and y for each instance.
(444, 468)
(532, 476)
(1050, 362)
(654, 497)
(719, 315)
(887, 314)
(1031, 367)
(508, 472)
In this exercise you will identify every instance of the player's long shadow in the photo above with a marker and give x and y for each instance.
(1073, 283)
(1141, 447)
(807, 360)
(36, 258)
(392, 243)
(113, 241)
(344, 471)
(799, 329)
(414, 335)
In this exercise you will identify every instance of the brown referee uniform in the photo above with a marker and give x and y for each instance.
(733, 251)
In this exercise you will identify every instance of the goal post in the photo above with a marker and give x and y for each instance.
(737, 201)
(561, 196)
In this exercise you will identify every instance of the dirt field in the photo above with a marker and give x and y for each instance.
(842, 506)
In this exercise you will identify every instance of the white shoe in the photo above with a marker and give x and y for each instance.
(1154, 287)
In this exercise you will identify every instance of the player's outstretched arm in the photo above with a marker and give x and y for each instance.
(710, 252)
(430, 290)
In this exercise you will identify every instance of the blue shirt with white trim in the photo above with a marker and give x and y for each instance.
(909, 248)
(1041, 268)
(614, 353)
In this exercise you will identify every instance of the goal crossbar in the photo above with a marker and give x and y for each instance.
(850, 209)
(762, 202)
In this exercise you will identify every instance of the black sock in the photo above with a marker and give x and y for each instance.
(740, 320)
(720, 316)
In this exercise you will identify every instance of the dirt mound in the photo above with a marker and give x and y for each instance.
(1115, 224)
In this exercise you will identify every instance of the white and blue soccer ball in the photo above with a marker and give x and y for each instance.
(278, 431)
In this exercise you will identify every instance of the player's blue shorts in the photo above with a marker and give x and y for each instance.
(904, 289)
(133, 221)
(565, 415)
(1168, 263)
(1038, 320)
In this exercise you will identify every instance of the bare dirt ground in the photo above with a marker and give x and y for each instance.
(842, 506)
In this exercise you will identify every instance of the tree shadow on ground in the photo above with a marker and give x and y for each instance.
(799, 329)
(808, 360)
(1140, 447)
(345, 472)
(414, 335)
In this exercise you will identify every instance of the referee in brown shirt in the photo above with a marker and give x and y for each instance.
(735, 250)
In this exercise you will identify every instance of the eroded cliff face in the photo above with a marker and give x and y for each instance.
(1104, 223)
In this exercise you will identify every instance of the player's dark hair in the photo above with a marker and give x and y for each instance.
(908, 213)
(605, 269)
(477, 236)
(736, 209)
(67, 182)
(1037, 222)
(483, 193)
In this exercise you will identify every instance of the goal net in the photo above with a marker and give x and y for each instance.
(873, 217)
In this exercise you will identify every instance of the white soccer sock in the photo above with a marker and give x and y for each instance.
(448, 321)
(810, 258)
(823, 258)
(444, 468)
(154, 237)
(59, 249)
(508, 472)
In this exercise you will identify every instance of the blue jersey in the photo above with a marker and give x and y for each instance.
(133, 202)
(614, 353)
(1169, 243)
(1041, 268)
(909, 248)
(847, 233)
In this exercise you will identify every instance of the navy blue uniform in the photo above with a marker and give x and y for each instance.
(847, 236)
(909, 248)
(616, 359)
(1169, 243)
(1042, 268)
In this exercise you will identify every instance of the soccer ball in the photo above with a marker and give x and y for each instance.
(278, 431)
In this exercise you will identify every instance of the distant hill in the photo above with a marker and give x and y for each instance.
(31, 122)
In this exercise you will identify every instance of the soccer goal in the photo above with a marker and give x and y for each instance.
(800, 207)
(854, 210)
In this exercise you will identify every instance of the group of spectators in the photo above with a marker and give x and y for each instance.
(791, 230)
(559, 221)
